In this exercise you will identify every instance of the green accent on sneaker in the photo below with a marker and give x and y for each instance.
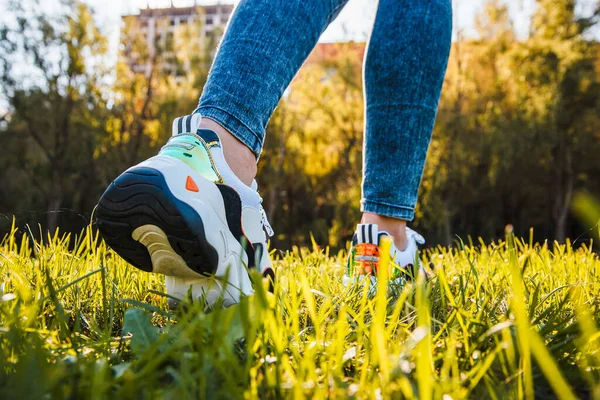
(193, 151)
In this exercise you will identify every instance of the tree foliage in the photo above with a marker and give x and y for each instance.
(518, 128)
(51, 76)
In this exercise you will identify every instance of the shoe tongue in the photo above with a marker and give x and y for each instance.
(367, 233)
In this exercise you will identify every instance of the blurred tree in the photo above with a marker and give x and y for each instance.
(51, 72)
(555, 83)
(311, 166)
(456, 191)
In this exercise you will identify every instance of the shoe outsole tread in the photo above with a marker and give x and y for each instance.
(140, 197)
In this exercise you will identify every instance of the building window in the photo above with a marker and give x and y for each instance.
(169, 41)
(209, 20)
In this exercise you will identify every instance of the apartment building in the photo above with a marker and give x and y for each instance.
(157, 27)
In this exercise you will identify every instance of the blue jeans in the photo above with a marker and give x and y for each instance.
(265, 44)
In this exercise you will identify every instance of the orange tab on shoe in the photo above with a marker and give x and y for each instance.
(191, 185)
(366, 259)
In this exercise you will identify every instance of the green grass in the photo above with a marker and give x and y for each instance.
(505, 320)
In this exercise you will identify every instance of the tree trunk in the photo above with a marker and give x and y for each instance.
(274, 195)
(563, 197)
(55, 199)
(447, 224)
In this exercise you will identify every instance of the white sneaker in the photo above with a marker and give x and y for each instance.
(184, 214)
(364, 256)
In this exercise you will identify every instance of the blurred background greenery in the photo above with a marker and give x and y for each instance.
(517, 133)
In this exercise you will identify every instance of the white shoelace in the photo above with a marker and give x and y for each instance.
(263, 213)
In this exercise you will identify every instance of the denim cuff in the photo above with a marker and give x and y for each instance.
(236, 127)
(389, 210)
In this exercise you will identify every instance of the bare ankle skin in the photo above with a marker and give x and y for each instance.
(240, 158)
(395, 227)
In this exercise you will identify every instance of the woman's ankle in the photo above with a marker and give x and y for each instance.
(395, 227)
(239, 157)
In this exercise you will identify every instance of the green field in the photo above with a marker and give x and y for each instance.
(504, 320)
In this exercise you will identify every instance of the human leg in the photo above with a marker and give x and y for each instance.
(404, 70)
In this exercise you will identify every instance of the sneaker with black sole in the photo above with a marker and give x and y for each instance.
(183, 213)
